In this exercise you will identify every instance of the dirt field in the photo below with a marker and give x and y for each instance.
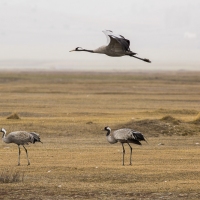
(75, 161)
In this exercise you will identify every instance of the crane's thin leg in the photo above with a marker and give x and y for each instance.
(19, 155)
(123, 153)
(144, 59)
(26, 154)
(130, 154)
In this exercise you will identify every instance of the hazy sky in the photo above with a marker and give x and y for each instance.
(166, 32)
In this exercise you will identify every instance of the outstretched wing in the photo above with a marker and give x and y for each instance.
(117, 41)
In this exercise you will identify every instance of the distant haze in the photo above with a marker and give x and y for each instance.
(38, 34)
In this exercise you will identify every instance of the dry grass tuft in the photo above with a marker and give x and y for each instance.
(11, 176)
(197, 119)
(171, 119)
(167, 125)
(13, 116)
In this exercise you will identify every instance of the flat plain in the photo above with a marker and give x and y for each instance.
(70, 109)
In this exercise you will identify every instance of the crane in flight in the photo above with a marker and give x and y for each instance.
(117, 46)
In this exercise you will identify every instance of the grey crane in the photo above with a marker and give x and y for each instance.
(20, 138)
(124, 135)
(118, 46)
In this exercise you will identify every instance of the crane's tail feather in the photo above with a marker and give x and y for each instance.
(35, 137)
(139, 136)
(145, 139)
(134, 141)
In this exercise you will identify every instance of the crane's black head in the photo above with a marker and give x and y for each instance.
(107, 128)
(3, 130)
(77, 49)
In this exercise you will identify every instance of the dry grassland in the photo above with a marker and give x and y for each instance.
(69, 110)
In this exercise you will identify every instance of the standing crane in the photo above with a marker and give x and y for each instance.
(20, 138)
(117, 46)
(124, 135)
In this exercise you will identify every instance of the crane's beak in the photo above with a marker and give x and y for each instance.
(72, 50)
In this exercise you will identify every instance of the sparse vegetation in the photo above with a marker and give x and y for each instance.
(13, 116)
(171, 119)
(11, 176)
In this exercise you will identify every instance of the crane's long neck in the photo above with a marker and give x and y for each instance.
(102, 49)
(4, 138)
(90, 51)
(4, 133)
(108, 132)
(110, 137)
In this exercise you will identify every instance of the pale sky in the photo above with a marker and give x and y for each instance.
(40, 33)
